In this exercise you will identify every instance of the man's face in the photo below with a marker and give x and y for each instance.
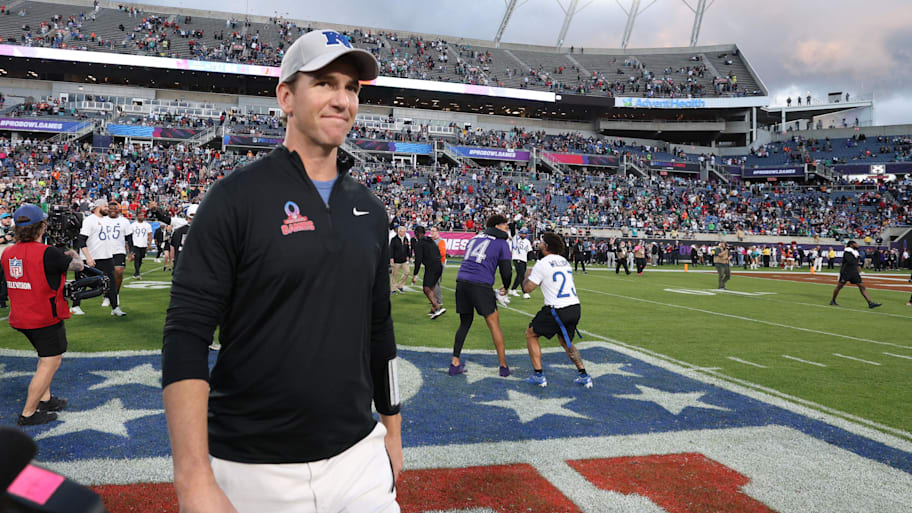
(401, 232)
(113, 211)
(322, 105)
(6, 221)
(435, 233)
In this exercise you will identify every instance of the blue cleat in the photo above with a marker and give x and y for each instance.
(538, 379)
(583, 380)
(457, 369)
(504, 372)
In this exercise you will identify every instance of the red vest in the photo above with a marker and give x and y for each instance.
(33, 303)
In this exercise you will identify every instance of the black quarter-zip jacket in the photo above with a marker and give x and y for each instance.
(300, 293)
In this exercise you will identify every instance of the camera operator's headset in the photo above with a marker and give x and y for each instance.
(89, 286)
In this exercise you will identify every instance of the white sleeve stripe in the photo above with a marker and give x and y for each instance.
(393, 371)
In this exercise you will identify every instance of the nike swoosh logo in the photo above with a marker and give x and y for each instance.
(358, 212)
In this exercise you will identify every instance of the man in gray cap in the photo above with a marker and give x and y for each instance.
(288, 256)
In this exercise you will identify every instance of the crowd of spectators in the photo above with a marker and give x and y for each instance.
(399, 56)
(460, 199)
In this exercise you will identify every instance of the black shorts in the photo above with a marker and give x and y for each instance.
(853, 278)
(120, 260)
(432, 276)
(475, 297)
(139, 252)
(48, 341)
(544, 324)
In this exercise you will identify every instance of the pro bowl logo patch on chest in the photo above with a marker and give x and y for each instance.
(294, 221)
(15, 268)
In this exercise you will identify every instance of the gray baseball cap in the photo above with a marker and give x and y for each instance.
(317, 49)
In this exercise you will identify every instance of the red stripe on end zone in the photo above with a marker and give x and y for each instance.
(679, 483)
(502, 488)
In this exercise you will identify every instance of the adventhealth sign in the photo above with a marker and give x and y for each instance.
(691, 103)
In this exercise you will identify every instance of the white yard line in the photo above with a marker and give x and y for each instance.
(803, 361)
(748, 319)
(856, 359)
(745, 362)
(899, 356)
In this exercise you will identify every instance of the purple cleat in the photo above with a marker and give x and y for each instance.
(457, 369)
(504, 372)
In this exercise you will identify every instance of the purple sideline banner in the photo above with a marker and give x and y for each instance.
(577, 159)
(394, 147)
(895, 168)
(40, 125)
(763, 172)
(683, 167)
(250, 140)
(490, 153)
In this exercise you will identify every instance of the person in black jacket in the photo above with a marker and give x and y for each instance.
(848, 273)
(579, 255)
(427, 253)
(289, 257)
(400, 253)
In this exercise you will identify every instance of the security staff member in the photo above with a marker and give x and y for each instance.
(427, 252)
(288, 255)
(722, 261)
(36, 275)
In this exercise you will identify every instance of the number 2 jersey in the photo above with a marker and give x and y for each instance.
(482, 256)
(554, 275)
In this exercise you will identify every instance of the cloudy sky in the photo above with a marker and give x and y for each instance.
(864, 48)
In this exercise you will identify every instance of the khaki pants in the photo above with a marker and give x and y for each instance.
(400, 276)
(359, 479)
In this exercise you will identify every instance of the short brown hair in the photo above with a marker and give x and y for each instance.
(495, 220)
(29, 233)
(554, 242)
(293, 84)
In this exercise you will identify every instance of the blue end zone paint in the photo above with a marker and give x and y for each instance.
(447, 410)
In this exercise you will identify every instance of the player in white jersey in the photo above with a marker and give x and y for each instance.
(118, 228)
(96, 251)
(140, 239)
(561, 312)
(519, 249)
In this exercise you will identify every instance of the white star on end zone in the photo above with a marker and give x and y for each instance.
(597, 370)
(110, 418)
(673, 402)
(529, 407)
(13, 374)
(139, 375)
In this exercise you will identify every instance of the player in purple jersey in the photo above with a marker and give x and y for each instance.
(484, 254)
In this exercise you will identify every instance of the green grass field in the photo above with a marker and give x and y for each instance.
(854, 374)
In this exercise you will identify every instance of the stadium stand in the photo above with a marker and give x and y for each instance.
(647, 73)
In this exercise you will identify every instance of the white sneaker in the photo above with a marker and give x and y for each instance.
(527, 296)
(118, 312)
(513, 292)
(215, 346)
(158, 260)
(75, 310)
(106, 302)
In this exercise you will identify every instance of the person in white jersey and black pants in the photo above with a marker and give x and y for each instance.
(561, 312)
(520, 248)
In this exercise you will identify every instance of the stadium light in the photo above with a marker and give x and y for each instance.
(632, 14)
(698, 11)
(569, 12)
(511, 6)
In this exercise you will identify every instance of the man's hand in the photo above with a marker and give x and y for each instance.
(71, 253)
(393, 442)
(90, 262)
(414, 279)
(130, 257)
(205, 499)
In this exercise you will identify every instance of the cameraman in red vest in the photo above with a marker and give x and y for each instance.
(36, 275)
